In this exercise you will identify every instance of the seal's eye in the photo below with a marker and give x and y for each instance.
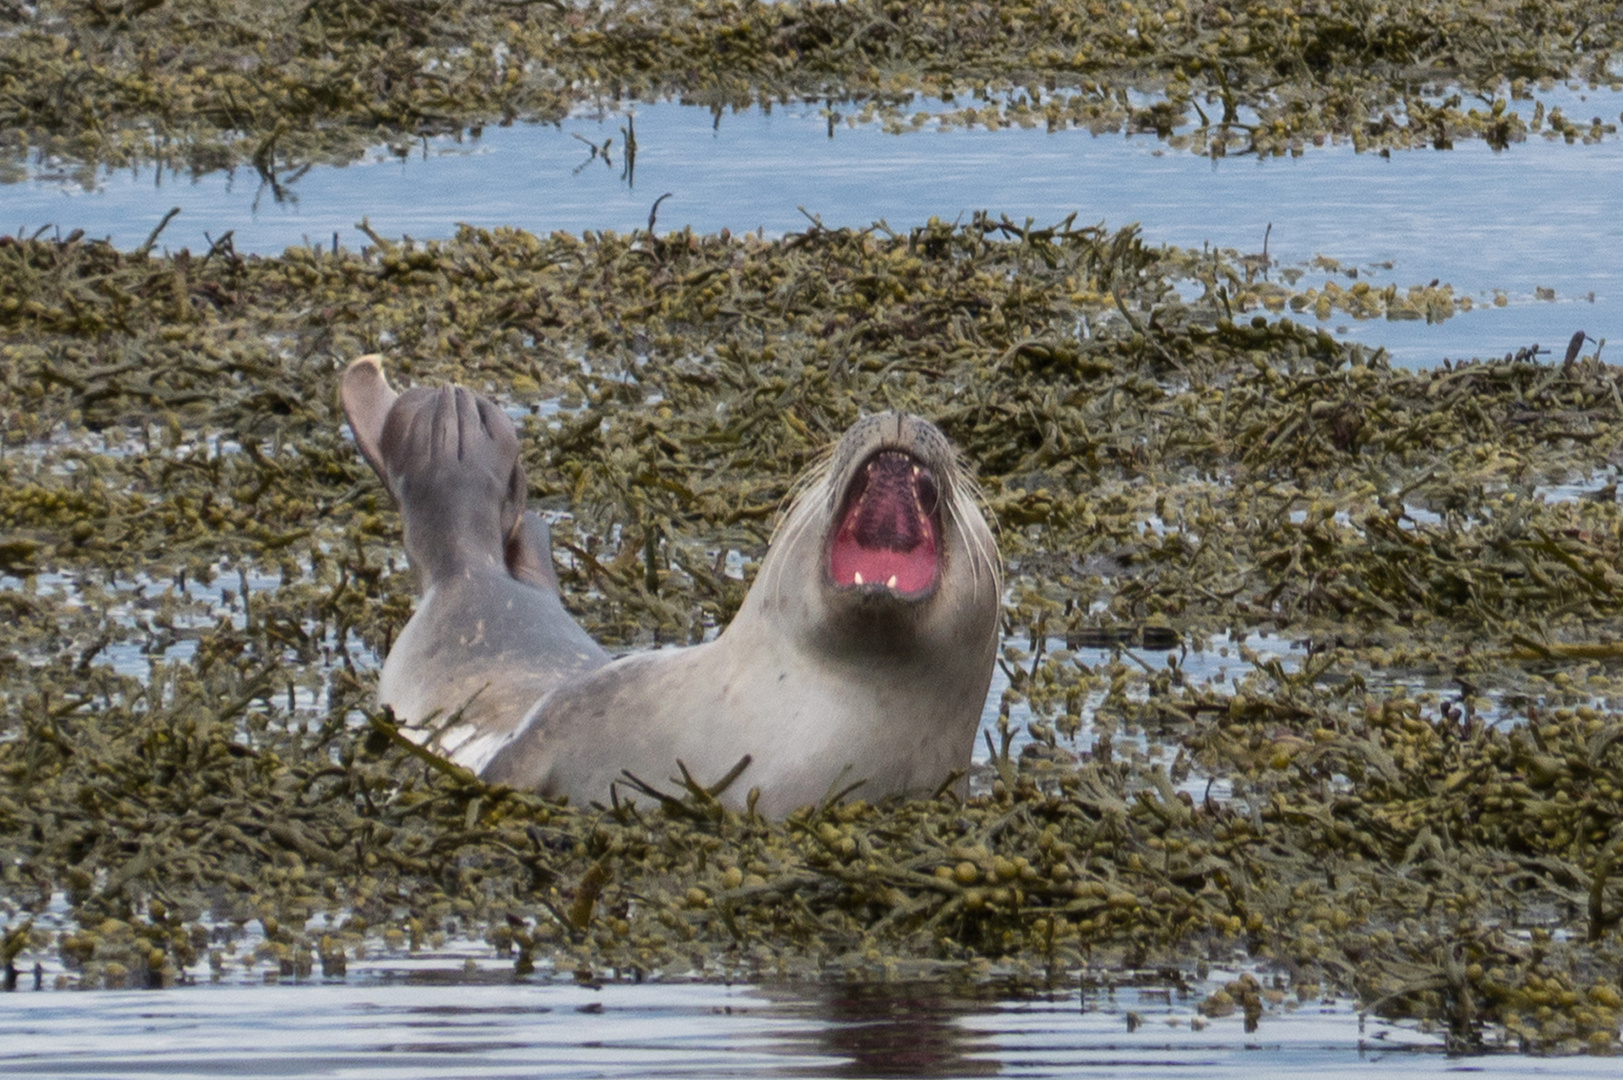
(889, 532)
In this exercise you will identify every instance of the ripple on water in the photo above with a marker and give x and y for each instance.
(379, 1026)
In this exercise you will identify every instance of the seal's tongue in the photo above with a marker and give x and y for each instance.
(888, 535)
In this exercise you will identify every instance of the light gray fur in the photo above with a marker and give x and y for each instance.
(821, 686)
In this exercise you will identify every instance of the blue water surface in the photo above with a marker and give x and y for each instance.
(1540, 215)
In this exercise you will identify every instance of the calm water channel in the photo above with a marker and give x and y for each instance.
(1538, 216)
(411, 1021)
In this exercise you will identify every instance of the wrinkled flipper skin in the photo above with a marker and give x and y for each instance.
(490, 635)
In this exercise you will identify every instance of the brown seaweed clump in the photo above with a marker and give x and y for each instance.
(207, 84)
(1412, 799)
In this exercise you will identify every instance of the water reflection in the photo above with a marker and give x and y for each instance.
(1540, 221)
(496, 1026)
(890, 1030)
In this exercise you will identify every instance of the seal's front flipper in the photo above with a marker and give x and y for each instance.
(367, 398)
(529, 553)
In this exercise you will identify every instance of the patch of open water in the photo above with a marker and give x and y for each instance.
(436, 1022)
(457, 1010)
(1540, 222)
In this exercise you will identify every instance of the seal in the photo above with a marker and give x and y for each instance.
(861, 656)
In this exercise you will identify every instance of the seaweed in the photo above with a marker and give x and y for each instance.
(200, 85)
(201, 576)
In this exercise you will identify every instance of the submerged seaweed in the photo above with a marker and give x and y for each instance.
(202, 573)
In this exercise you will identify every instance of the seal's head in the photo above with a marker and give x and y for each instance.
(903, 554)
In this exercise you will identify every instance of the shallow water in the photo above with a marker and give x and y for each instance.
(1539, 215)
(456, 1010)
(428, 1024)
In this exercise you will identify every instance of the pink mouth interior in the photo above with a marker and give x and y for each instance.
(888, 534)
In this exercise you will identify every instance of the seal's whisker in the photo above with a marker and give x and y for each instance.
(966, 505)
(787, 536)
(772, 574)
(975, 540)
(816, 471)
(791, 521)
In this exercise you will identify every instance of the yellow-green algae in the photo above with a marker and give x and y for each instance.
(1159, 471)
(205, 84)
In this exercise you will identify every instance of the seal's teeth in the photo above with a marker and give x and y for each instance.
(857, 576)
(915, 470)
(891, 584)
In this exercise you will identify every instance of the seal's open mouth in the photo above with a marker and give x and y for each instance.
(889, 533)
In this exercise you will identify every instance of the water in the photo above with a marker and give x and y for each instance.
(417, 1027)
(458, 1011)
(1540, 215)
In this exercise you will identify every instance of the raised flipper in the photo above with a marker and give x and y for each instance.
(368, 400)
(490, 635)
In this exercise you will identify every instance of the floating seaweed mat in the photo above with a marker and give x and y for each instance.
(201, 575)
(203, 86)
